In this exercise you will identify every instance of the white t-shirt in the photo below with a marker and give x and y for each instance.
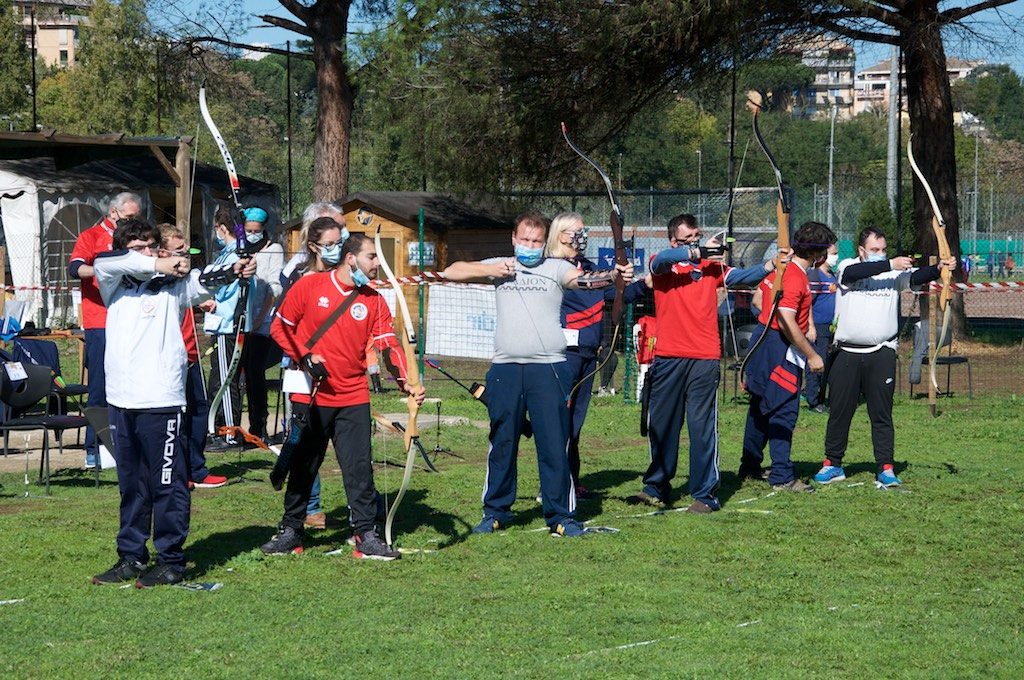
(868, 310)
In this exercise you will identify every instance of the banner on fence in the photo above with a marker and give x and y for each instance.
(461, 321)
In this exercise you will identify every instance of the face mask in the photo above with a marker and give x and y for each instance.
(331, 255)
(359, 278)
(219, 242)
(876, 257)
(529, 257)
(578, 240)
(254, 238)
(832, 260)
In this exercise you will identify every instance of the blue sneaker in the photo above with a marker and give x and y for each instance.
(887, 479)
(569, 528)
(488, 525)
(829, 473)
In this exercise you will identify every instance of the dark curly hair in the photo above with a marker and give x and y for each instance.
(812, 239)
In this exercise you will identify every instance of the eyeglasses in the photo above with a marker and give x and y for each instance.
(145, 246)
(328, 245)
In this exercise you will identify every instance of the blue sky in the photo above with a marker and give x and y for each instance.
(1006, 47)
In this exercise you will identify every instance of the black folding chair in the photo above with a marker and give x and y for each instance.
(18, 397)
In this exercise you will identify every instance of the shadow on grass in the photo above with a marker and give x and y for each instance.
(218, 549)
(78, 477)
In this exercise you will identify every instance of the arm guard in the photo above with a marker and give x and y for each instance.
(594, 279)
(217, 275)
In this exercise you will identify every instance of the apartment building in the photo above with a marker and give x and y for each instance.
(833, 61)
(872, 84)
(56, 27)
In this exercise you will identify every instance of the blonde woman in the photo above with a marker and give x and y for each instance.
(582, 315)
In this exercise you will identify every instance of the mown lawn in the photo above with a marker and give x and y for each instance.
(846, 582)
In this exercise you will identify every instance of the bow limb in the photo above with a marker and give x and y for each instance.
(408, 339)
(944, 252)
(783, 214)
(241, 309)
(621, 256)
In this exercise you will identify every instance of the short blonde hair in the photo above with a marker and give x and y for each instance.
(562, 222)
(168, 230)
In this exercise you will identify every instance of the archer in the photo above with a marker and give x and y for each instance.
(341, 411)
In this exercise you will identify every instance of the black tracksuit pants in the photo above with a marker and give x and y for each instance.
(348, 427)
(873, 376)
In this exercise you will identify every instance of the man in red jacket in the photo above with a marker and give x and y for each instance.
(90, 243)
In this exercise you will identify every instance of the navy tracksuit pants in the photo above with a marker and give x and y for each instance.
(152, 473)
(774, 386)
(581, 365)
(193, 426)
(540, 390)
(95, 349)
(683, 389)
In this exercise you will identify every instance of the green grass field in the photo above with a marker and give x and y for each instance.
(846, 582)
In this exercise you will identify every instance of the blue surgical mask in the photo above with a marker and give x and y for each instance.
(219, 242)
(359, 278)
(254, 238)
(529, 257)
(331, 255)
(876, 257)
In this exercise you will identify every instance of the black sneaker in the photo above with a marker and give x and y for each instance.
(370, 547)
(286, 541)
(220, 444)
(162, 575)
(125, 570)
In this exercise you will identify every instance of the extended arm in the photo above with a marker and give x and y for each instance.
(480, 272)
(749, 276)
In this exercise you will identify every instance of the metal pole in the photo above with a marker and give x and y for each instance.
(35, 124)
(893, 149)
(732, 158)
(831, 166)
(974, 202)
(422, 338)
(159, 127)
(700, 198)
(899, 156)
(288, 108)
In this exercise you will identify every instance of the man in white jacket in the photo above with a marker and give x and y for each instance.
(146, 364)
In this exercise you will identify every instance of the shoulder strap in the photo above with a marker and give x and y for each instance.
(330, 320)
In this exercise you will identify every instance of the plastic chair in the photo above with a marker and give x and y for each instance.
(18, 397)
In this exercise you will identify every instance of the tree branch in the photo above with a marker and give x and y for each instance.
(243, 46)
(858, 34)
(288, 24)
(298, 10)
(956, 14)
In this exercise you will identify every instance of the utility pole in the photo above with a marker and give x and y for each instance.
(831, 167)
(700, 197)
(892, 154)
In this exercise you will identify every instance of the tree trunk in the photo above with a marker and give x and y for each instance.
(328, 24)
(931, 124)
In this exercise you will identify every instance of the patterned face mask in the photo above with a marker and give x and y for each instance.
(578, 240)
